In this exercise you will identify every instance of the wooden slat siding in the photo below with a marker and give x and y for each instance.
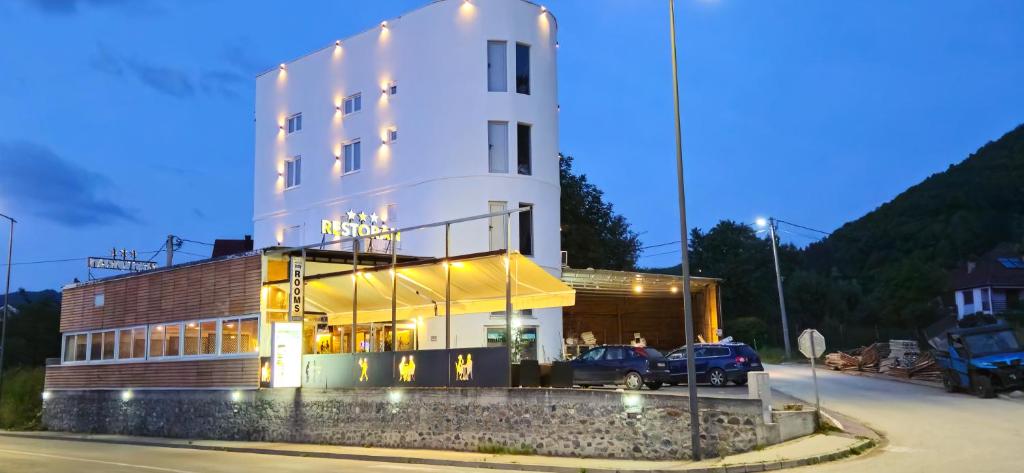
(214, 289)
(222, 373)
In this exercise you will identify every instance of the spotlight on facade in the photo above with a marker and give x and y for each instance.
(47, 395)
(338, 43)
(543, 9)
(674, 289)
(282, 66)
(127, 395)
(236, 395)
(384, 24)
(638, 289)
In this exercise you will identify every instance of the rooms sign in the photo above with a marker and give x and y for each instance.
(361, 224)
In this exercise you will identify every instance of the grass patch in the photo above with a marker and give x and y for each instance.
(772, 355)
(498, 449)
(22, 402)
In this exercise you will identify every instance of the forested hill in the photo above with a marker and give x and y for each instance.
(902, 251)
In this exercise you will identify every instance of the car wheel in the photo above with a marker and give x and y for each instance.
(948, 384)
(982, 386)
(716, 377)
(654, 385)
(634, 381)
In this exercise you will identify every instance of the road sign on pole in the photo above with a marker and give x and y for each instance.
(812, 345)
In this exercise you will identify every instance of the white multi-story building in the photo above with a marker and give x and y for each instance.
(446, 112)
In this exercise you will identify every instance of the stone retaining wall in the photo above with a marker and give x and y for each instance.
(560, 422)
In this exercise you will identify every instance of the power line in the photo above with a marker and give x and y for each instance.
(805, 228)
(194, 241)
(659, 244)
(19, 263)
(659, 254)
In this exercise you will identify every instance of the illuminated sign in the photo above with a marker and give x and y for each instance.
(296, 289)
(364, 364)
(361, 225)
(286, 354)
(464, 368)
(120, 264)
(407, 370)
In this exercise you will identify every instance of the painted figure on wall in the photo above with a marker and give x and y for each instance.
(407, 370)
(464, 369)
(363, 365)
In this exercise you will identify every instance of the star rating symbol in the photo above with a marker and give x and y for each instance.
(351, 215)
(362, 216)
(373, 217)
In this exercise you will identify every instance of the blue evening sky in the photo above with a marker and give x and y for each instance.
(126, 120)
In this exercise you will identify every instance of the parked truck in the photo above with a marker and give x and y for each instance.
(983, 360)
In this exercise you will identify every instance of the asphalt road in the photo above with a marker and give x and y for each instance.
(19, 455)
(928, 430)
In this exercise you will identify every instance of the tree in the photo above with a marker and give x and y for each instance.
(593, 235)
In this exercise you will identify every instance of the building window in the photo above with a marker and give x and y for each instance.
(239, 335)
(522, 68)
(523, 149)
(353, 160)
(156, 341)
(986, 303)
(353, 103)
(173, 335)
(208, 337)
(497, 146)
(75, 347)
(98, 300)
(229, 336)
(391, 135)
(497, 66)
(191, 338)
(496, 227)
(293, 172)
(101, 346)
(294, 123)
(526, 230)
(132, 343)
(495, 337)
(968, 296)
(391, 88)
(526, 343)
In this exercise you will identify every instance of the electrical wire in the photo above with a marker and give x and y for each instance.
(803, 227)
(659, 244)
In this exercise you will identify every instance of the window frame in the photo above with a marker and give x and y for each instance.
(356, 159)
(490, 147)
(145, 348)
(88, 344)
(529, 149)
(358, 96)
(527, 215)
(503, 77)
(290, 175)
(295, 118)
(529, 67)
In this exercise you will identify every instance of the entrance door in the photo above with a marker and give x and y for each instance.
(496, 226)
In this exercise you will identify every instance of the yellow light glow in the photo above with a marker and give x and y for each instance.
(638, 289)
(674, 289)
(458, 264)
(337, 43)
(384, 24)
(282, 66)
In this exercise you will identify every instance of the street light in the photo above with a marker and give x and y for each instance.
(7, 303)
(691, 370)
(772, 225)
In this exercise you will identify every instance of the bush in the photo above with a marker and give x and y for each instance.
(21, 405)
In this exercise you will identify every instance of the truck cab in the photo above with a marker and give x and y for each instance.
(982, 360)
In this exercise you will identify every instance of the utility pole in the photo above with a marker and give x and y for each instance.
(170, 250)
(7, 303)
(691, 370)
(772, 228)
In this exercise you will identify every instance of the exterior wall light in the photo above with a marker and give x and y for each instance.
(543, 9)
(638, 289)
(282, 66)
(126, 395)
(394, 395)
(236, 395)
(47, 395)
(674, 289)
(338, 43)
(337, 157)
(384, 24)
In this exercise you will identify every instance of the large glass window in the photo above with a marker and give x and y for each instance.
(522, 68)
(526, 230)
(96, 346)
(81, 341)
(497, 66)
(249, 335)
(497, 146)
(208, 337)
(524, 154)
(173, 336)
(495, 337)
(353, 160)
(108, 345)
(192, 338)
(156, 341)
(71, 351)
(139, 342)
(124, 344)
(229, 336)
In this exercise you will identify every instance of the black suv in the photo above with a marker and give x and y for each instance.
(716, 363)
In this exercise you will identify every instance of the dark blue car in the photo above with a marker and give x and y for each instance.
(634, 367)
(715, 363)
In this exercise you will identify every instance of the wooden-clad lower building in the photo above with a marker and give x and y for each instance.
(613, 306)
(189, 326)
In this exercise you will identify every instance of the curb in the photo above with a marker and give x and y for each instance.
(856, 449)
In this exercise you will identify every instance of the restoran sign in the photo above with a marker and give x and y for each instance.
(359, 225)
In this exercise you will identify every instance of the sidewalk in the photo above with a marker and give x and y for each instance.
(809, 450)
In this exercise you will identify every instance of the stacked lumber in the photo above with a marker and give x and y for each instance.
(898, 358)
